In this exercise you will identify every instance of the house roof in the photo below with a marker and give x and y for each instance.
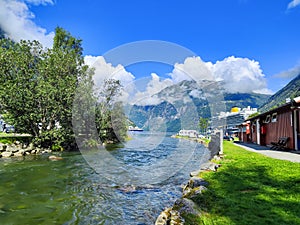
(282, 108)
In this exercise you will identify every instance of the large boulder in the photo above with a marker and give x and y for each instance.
(7, 154)
(187, 206)
(19, 153)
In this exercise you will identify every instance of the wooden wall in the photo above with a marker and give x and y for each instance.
(274, 130)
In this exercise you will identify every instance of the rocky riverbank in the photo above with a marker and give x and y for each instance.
(185, 205)
(194, 188)
(18, 149)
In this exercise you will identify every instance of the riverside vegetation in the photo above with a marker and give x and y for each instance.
(39, 87)
(249, 188)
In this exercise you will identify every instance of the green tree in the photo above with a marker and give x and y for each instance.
(38, 87)
(110, 118)
(203, 124)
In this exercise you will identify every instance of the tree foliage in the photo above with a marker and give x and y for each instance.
(203, 124)
(38, 86)
(110, 118)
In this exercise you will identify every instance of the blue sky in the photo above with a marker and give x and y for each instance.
(265, 32)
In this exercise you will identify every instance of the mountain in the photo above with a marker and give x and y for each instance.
(291, 90)
(2, 33)
(184, 103)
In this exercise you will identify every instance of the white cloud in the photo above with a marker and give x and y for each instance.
(291, 73)
(154, 86)
(240, 75)
(105, 70)
(193, 68)
(293, 4)
(237, 74)
(16, 21)
(197, 94)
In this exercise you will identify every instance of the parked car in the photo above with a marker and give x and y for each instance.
(228, 138)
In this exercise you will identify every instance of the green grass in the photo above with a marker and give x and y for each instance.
(250, 188)
(9, 138)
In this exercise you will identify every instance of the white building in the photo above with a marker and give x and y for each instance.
(188, 133)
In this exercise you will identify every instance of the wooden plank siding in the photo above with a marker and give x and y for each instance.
(281, 128)
(283, 121)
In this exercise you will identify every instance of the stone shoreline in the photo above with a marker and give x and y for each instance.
(185, 205)
(194, 187)
(18, 149)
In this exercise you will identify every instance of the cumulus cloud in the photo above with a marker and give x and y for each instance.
(105, 70)
(240, 75)
(236, 74)
(193, 68)
(293, 4)
(154, 86)
(16, 21)
(291, 73)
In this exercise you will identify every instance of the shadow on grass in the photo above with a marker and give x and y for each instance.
(252, 192)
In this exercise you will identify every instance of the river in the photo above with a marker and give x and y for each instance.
(76, 190)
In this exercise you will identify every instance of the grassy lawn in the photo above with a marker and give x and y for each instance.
(250, 188)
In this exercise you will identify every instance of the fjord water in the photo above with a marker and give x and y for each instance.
(35, 190)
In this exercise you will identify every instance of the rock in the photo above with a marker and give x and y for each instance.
(210, 166)
(195, 173)
(163, 218)
(4, 147)
(31, 147)
(7, 154)
(55, 158)
(187, 206)
(18, 154)
(17, 143)
(191, 193)
(196, 182)
(32, 151)
(22, 151)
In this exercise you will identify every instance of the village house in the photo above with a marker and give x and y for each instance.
(188, 133)
(267, 128)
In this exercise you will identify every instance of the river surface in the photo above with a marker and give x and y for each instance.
(76, 190)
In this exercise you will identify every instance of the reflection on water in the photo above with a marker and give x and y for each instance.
(35, 190)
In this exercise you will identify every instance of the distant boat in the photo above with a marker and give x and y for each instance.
(131, 128)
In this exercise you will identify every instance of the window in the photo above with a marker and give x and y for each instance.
(274, 118)
(268, 118)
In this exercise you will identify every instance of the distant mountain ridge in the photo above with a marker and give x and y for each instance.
(291, 90)
(182, 104)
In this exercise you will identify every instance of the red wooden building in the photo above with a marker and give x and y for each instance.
(268, 127)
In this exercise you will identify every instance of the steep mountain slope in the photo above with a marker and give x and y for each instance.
(1, 33)
(291, 90)
(184, 103)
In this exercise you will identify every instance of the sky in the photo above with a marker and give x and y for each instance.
(252, 45)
